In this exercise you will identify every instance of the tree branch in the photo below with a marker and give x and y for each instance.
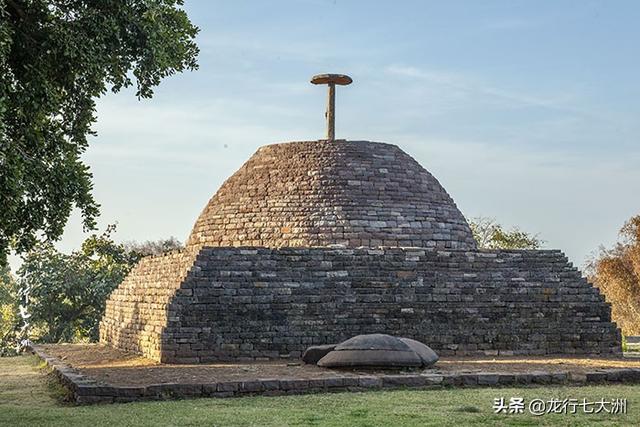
(17, 8)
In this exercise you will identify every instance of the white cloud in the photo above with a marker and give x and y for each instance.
(475, 87)
(512, 24)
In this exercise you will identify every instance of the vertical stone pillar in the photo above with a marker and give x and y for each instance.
(331, 80)
(331, 113)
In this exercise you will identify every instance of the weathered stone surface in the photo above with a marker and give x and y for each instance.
(594, 377)
(469, 379)
(370, 342)
(372, 350)
(488, 379)
(370, 358)
(428, 356)
(370, 382)
(433, 379)
(316, 352)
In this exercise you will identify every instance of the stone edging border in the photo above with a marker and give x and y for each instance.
(85, 390)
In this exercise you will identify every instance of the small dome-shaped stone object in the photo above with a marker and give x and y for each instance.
(375, 351)
(316, 352)
(428, 356)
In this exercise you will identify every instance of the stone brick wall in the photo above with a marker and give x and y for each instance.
(136, 311)
(240, 302)
(351, 193)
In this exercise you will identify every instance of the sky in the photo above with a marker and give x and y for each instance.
(525, 111)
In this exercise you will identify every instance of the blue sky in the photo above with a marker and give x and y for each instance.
(525, 111)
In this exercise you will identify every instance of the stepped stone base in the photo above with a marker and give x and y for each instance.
(95, 374)
(229, 303)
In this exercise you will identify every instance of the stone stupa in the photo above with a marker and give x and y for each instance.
(314, 242)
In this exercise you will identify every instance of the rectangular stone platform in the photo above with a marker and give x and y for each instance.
(101, 374)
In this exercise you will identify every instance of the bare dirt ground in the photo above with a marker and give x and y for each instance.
(119, 368)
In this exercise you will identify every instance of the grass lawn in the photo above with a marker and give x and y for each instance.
(29, 397)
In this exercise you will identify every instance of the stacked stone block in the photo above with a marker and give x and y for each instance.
(136, 311)
(270, 303)
(276, 302)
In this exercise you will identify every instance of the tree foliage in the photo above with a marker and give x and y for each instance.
(491, 235)
(616, 271)
(9, 319)
(153, 247)
(66, 293)
(56, 58)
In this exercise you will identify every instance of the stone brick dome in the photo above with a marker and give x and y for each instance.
(319, 193)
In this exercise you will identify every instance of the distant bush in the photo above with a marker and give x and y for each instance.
(153, 247)
(491, 235)
(616, 271)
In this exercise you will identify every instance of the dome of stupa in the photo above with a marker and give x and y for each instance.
(325, 193)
